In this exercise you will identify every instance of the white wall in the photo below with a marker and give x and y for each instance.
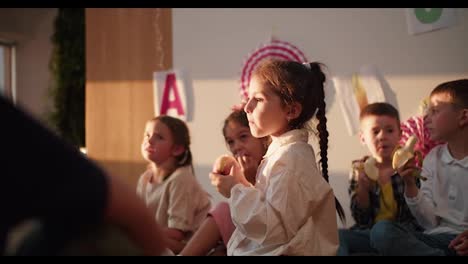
(31, 29)
(213, 43)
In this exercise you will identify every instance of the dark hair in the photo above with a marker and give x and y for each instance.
(180, 135)
(380, 109)
(238, 116)
(457, 89)
(295, 82)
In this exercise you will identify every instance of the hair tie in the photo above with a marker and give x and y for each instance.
(184, 158)
(307, 65)
(316, 111)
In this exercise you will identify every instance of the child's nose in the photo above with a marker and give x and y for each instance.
(238, 147)
(381, 135)
(426, 118)
(150, 140)
(248, 106)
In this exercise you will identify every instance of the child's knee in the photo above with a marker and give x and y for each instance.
(382, 233)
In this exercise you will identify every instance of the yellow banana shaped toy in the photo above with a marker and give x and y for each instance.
(403, 154)
(368, 167)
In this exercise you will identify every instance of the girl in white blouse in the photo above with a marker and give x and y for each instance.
(168, 186)
(291, 208)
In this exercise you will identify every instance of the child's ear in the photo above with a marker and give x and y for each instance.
(294, 110)
(464, 118)
(361, 138)
(178, 150)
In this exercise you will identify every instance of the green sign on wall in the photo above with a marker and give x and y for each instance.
(422, 20)
(428, 15)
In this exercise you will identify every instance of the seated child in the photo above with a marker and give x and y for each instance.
(441, 204)
(373, 201)
(218, 226)
(169, 187)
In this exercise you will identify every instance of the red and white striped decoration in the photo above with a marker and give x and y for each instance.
(274, 49)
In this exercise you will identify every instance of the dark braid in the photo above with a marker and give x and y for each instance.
(323, 138)
(294, 82)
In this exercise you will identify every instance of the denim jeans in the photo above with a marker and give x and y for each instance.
(390, 238)
(355, 241)
(393, 239)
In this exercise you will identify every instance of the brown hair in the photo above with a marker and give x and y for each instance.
(457, 89)
(380, 109)
(295, 82)
(240, 116)
(181, 136)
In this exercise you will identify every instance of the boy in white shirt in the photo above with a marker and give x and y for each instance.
(441, 205)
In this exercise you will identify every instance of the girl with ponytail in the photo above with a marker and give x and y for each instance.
(291, 208)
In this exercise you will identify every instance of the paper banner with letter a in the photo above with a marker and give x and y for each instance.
(173, 94)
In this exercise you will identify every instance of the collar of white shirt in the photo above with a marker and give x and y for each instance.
(448, 158)
(286, 138)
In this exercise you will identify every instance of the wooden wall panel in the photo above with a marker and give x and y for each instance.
(123, 49)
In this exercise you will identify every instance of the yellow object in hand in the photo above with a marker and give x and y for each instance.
(371, 169)
(402, 155)
(223, 164)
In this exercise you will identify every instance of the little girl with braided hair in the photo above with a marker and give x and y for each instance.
(290, 210)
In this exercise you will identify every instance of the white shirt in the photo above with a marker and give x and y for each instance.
(291, 209)
(441, 205)
(178, 202)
